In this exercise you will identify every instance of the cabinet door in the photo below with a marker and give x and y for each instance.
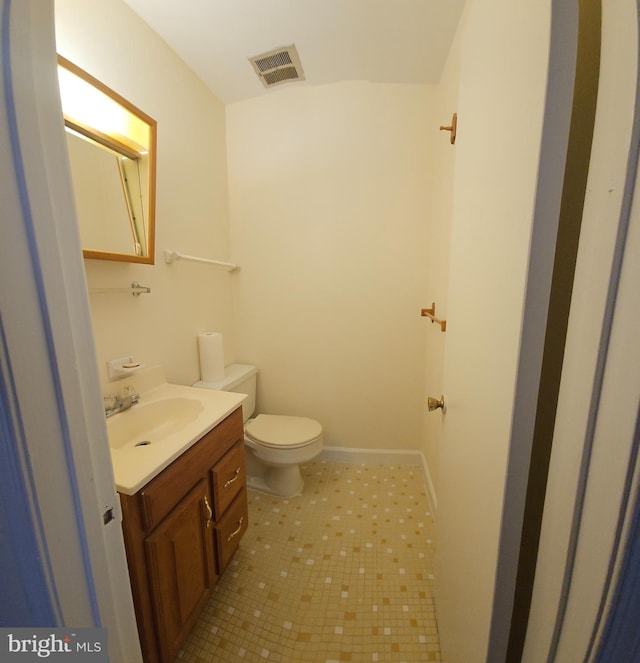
(181, 568)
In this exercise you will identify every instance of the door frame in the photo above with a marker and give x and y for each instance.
(53, 399)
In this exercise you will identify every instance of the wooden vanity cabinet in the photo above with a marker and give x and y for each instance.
(180, 531)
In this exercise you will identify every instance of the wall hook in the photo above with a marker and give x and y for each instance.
(453, 127)
(431, 314)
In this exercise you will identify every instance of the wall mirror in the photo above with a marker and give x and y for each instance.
(112, 153)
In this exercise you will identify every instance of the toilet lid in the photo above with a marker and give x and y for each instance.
(274, 430)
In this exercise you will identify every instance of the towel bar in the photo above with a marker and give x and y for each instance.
(172, 256)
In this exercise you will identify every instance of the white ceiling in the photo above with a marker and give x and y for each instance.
(383, 41)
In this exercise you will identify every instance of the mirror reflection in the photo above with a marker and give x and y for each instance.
(111, 146)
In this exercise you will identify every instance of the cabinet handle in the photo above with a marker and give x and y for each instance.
(237, 531)
(209, 511)
(235, 478)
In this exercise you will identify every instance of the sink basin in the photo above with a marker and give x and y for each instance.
(151, 423)
(168, 420)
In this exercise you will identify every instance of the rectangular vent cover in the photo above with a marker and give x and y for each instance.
(278, 66)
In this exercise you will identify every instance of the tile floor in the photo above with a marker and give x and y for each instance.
(343, 572)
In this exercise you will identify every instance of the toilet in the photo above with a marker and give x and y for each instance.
(276, 445)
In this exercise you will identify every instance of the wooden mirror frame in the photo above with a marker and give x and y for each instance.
(84, 127)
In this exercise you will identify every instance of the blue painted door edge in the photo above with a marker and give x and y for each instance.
(26, 594)
(620, 642)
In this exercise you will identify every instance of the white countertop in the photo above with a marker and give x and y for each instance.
(197, 411)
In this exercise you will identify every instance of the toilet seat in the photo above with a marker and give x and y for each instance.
(282, 432)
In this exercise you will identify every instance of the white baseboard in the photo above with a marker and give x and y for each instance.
(431, 491)
(386, 457)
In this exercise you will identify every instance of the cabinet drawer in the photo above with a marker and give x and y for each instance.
(160, 495)
(230, 529)
(227, 478)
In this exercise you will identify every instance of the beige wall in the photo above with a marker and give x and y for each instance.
(329, 213)
(330, 190)
(108, 40)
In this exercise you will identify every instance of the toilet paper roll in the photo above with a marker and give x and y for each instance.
(211, 356)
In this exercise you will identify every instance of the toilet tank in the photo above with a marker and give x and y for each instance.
(240, 378)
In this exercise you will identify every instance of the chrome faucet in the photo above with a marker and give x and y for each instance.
(115, 404)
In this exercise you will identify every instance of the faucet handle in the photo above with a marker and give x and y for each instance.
(131, 393)
(111, 404)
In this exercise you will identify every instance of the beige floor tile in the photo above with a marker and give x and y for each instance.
(343, 572)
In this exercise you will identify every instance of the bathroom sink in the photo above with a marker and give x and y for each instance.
(151, 423)
(167, 420)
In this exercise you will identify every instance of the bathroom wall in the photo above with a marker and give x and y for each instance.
(329, 198)
(108, 40)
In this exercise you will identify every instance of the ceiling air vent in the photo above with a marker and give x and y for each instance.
(278, 66)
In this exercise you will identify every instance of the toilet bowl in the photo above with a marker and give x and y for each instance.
(276, 445)
(282, 443)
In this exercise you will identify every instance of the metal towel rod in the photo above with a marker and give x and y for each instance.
(172, 256)
(135, 289)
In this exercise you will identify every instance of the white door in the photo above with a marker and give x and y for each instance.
(513, 119)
